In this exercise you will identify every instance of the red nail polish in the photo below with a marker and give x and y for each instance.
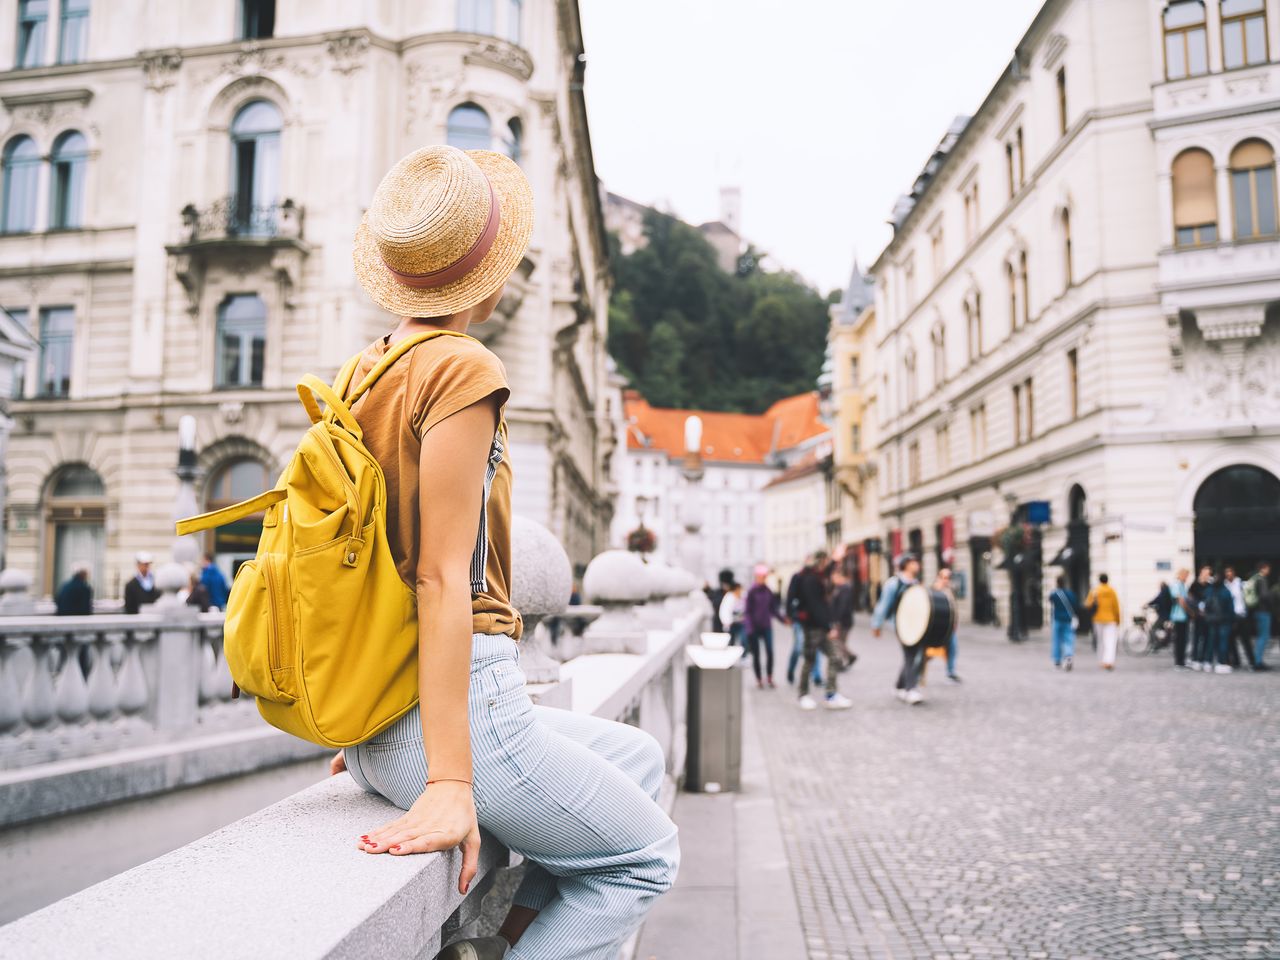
(396, 847)
(364, 836)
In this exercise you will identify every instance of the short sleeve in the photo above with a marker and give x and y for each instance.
(444, 382)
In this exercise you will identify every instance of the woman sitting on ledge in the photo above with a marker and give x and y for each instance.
(575, 795)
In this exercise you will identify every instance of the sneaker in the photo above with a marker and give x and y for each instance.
(1222, 668)
(1197, 666)
(808, 703)
(952, 678)
(771, 683)
(759, 684)
(1261, 667)
(838, 701)
(900, 694)
(481, 948)
(914, 697)
(1068, 663)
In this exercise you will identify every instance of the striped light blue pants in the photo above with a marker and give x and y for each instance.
(573, 794)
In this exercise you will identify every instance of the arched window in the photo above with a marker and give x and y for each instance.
(70, 154)
(255, 169)
(1244, 33)
(1186, 50)
(512, 141)
(1253, 189)
(1011, 276)
(75, 524)
(973, 326)
(242, 341)
(1025, 277)
(475, 16)
(1068, 272)
(1195, 199)
(469, 128)
(1237, 516)
(21, 176)
(231, 483)
(909, 369)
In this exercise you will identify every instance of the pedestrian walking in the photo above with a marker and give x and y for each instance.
(1104, 605)
(1065, 607)
(1259, 598)
(943, 582)
(715, 596)
(1202, 642)
(1239, 634)
(1217, 607)
(908, 686)
(797, 625)
(732, 609)
(141, 588)
(813, 610)
(842, 616)
(215, 583)
(75, 597)
(1180, 616)
(198, 593)
(574, 795)
(762, 607)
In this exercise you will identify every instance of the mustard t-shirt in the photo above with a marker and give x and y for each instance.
(432, 381)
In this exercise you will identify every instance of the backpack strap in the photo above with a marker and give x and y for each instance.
(310, 387)
(219, 518)
(393, 354)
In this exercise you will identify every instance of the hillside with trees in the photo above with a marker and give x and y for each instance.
(687, 334)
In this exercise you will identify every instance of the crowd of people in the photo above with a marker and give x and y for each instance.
(206, 589)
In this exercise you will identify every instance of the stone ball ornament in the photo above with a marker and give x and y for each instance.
(541, 575)
(617, 577)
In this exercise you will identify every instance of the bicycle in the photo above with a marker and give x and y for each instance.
(1147, 634)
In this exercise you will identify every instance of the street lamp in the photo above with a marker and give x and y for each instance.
(186, 549)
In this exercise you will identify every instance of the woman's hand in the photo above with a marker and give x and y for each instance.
(442, 818)
(338, 764)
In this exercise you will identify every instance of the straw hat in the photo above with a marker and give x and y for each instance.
(444, 230)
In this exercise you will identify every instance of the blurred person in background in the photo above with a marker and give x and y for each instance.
(1239, 635)
(141, 588)
(797, 625)
(1201, 644)
(197, 592)
(762, 607)
(1104, 605)
(842, 604)
(1217, 608)
(717, 595)
(908, 685)
(1180, 616)
(215, 584)
(732, 609)
(1260, 599)
(943, 582)
(1065, 607)
(813, 609)
(75, 597)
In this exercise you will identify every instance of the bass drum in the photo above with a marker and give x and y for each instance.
(925, 616)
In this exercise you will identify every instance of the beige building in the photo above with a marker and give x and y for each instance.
(1079, 314)
(182, 181)
(855, 523)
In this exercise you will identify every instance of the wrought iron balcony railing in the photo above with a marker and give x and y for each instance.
(235, 217)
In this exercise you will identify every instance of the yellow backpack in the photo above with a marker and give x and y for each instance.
(320, 627)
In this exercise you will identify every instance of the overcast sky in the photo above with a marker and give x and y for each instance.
(822, 111)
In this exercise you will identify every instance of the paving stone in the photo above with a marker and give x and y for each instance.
(1031, 813)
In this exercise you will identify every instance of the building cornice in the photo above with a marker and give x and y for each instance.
(1224, 113)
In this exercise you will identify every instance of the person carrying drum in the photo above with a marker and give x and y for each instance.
(886, 611)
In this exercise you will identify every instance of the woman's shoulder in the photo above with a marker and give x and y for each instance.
(454, 356)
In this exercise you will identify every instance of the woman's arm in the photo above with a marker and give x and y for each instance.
(454, 456)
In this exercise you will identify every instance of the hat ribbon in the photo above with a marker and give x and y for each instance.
(464, 264)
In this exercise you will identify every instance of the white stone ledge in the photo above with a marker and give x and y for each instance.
(286, 882)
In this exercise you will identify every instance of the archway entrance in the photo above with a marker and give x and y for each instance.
(75, 512)
(237, 542)
(1237, 519)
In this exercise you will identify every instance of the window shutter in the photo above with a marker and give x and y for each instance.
(1195, 198)
(1252, 154)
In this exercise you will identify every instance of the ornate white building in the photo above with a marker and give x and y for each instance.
(1080, 309)
(181, 184)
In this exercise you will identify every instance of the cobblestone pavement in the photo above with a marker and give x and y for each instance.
(1027, 813)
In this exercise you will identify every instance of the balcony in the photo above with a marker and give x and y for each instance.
(1219, 274)
(235, 219)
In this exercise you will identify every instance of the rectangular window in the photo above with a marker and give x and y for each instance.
(942, 439)
(978, 432)
(939, 253)
(475, 16)
(971, 221)
(1022, 159)
(1017, 413)
(909, 280)
(1062, 100)
(57, 336)
(73, 35)
(257, 19)
(1244, 33)
(1029, 398)
(513, 20)
(33, 16)
(913, 463)
(1186, 52)
(1253, 195)
(855, 438)
(1073, 383)
(17, 385)
(1025, 278)
(1013, 177)
(853, 373)
(1067, 269)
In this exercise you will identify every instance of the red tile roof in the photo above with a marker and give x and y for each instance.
(804, 467)
(726, 437)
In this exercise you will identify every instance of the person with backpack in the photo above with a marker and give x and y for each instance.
(405, 481)
(1066, 618)
(1258, 598)
(1104, 604)
(1217, 608)
(908, 685)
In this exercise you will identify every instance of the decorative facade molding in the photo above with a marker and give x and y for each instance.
(493, 52)
(348, 52)
(160, 69)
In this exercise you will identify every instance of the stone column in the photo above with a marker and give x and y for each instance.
(177, 663)
(541, 582)
(619, 581)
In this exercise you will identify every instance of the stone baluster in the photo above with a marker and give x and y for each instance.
(15, 594)
(618, 581)
(541, 582)
(10, 688)
(70, 690)
(102, 679)
(177, 676)
(132, 679)
(210, 669)
(38, 704)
